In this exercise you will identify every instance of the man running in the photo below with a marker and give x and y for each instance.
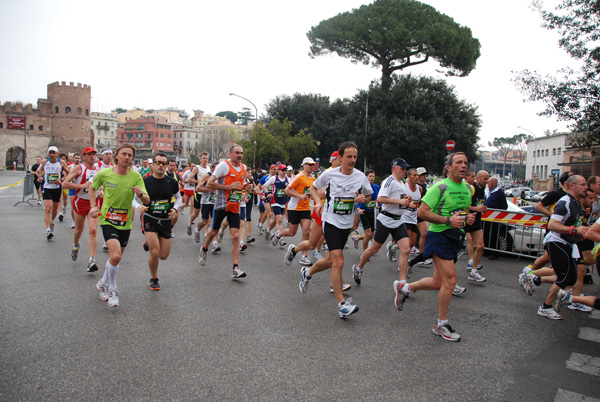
(345, 186)
(474, 232)
(228, 181)
(157, 214)
(51, 173)
(279, 199)
(79, 180)
(121, 184)
(198, 173)
(444, 207)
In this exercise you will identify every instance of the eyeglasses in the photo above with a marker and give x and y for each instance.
(160, 163)
(310, 164)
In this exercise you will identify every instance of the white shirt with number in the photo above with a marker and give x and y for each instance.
(397, 190)
(340, 192)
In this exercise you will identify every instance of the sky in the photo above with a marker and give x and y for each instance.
(192, 54)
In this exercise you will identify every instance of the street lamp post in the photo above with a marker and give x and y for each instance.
(255, 120)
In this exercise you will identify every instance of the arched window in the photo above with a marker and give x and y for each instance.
(41, 128)
(31, 126)
(1, 125)
(68, 110)
(56, 109)
(79, 111)
(87, 112)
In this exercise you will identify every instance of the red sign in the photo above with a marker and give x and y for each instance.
(16, 122)
(450, 145)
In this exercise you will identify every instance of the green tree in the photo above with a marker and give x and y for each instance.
(504, 145)
(395, 34)
(232, 116)
(119, 110)
(575, 96)
(246, 116)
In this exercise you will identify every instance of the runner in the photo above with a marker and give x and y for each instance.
(51, 172)
(104, 163)
(444, 207)
(76, 162)
(228, 180)
(344, 186)
(79, 180)
(190, 180)
(207, 203)
(279, 198)
(65, 193)
(156, 215)
(36, 183)
(395, 200)
(197, 173)
(120, 184)
(475, 232)
(145, 168)
(265, 207)
(366, 214)
(173, 174)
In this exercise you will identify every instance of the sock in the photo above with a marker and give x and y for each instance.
(546, 306)
(294, 251)
(104, 279)
(470, 262)
(473, 270)
(112, 271)
(405, 289)
(235, 266)
(440, 322)
(416, 260)
(91, 258)
(537, 280)
(204, 249)
(597, 303)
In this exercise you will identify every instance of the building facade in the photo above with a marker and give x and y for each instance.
(104, 126)
(149, 134)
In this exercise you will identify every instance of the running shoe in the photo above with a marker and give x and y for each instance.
(220, 236)
(475, 276)
(324, 247)
(196, 236)
(49, 234)
(104, 247)
(145, 246)
(458, 290)
(39, 202)
(305, 261)
(276, 238)
(203, 255)
(523, 275)
(529, 285)
(189, 229)
(408, 271)
(414, 251)
(92, 266)
(549, 313)
(113, 298)
(428, 261)
(355, 241)
(282, 243)
(267, 235)
(400, 296)
(215, 247)
(446, 332)
(243, 246)
(346, 308)
(289, 255)
(75, 252)
(563, 297)
(72, 225)
(61, 217)
(304, 278)
(238, 273)
(103, 289)
(52, 226)
(357, 274)
(580, 307)
(345, 287)
(469, 266)
(153, 284)
(317, 255)
(250, 239)
(389, 253)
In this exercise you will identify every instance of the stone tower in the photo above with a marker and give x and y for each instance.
(71, 124)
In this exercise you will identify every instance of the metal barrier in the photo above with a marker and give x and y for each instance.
(28, 189)
(515, 233)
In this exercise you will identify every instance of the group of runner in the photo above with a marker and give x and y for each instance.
(222, 196)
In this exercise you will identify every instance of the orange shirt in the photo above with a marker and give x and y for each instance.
(301, 184)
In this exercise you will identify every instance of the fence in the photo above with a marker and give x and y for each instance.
(28, 188)
(514, 233)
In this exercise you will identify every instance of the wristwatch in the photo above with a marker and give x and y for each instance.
(448, 221)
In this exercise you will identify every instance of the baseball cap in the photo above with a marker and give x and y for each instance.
(290, 167)
(564, 176)
(421, 170)
(400, 162)
(273, 167)
(52, 148)
(282, 167)
(308, 160)
(334, 155)
(89, 150)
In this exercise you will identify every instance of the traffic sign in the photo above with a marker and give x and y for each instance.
(450, 145)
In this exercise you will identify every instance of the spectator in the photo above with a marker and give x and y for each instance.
(495, 198)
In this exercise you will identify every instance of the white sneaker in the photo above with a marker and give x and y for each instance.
(196, 236)
(203, 255)
(215, 247)
(73, 225)
(475, 276)
(580, 307)
(414, 251)
(389, 252)
(355, 241)
(238, 273)
(549, 313)
(113, 298)
(103, 289)
(458, 290)
(220, 236)
(305, 261)
(428, 261)
(317, 255)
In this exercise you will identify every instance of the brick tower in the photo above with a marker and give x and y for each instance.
(71, 126)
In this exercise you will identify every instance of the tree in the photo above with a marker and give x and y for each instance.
(576, 95)
(521, 141)
(504, 145)
(395, 34)
(119, 110)
(246, 116)
(231, 116)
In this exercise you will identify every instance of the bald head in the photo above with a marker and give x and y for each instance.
(492, 183)
(482, 178)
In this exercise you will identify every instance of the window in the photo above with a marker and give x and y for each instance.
(188, 135)
(168, 135)
(162, 135)
(79, 111)
(68, 110)
(31, 126)
(162, 144)
(168, 145)
(1, 125)
(157, 144)
(547, 152)
(196, 135)
(553, 151)
(56, 109)
(87, 112)
(41, 128)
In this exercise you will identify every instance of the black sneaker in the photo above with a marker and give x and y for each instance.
(145, 245)
(153, 284)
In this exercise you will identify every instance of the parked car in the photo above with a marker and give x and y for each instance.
(513, 237)
(529, 194)
(539, 196)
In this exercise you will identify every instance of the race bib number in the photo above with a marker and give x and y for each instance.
(280, 193)
(343, 206)
(159, 206)
(51, 178)
(413, 205)
(306, 191)
(235, 196)
(212, 197)
(116, 216)
(371, 204)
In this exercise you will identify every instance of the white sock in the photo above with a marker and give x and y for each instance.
(470, 262)
(440, 322)
(111, 271)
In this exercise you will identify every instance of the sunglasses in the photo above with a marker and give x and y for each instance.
(160, 163)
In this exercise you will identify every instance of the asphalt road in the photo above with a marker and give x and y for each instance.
(204, 336)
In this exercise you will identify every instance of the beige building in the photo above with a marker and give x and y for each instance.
(104, 126)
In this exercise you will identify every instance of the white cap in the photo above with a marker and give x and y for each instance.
(421, 170)
(53, 148)
(308, 160)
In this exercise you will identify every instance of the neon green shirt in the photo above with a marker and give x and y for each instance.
(116, 208)
(446, 198)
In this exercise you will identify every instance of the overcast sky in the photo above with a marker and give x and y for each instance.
(192, 54)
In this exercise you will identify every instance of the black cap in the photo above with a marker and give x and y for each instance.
(564, 176)
(400, 162)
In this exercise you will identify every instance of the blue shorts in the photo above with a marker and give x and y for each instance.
(72, 192)
(436, 243)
